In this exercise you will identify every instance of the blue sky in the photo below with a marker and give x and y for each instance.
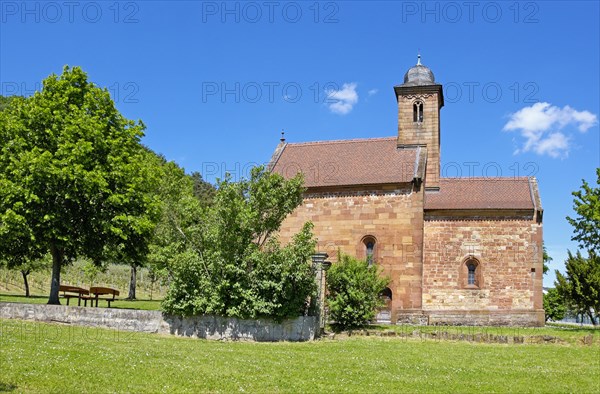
(216, 82)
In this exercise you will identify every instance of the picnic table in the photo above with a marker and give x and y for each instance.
(96, 292)
(69, 292)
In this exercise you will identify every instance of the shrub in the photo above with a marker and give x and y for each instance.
(354, 292)
(228, 260)
(554, 305)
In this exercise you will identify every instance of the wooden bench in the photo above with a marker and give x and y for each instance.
(69, 292)
(96, 292)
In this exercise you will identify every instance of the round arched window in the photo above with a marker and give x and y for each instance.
(370, 251)
(386, 294)
(471, 278)
(472, 273)
(369, 245)
(418, 111)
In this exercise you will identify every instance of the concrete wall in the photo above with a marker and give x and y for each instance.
(207, 327)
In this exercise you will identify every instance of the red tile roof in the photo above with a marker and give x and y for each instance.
(484, 193)
(347, 162)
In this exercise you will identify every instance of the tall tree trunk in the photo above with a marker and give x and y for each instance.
(132, 282)
(592, 317)
(25, 273)
(57, 258)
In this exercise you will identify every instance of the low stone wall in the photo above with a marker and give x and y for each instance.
(516, 318)
(487, 318)
(417, 318)
(303, 328)
(508, 335)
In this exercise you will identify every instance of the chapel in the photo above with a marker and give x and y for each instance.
(458, 251)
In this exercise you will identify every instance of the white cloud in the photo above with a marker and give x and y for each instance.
(372, 92)
(555, 145)
(342, 101)
(541, 126)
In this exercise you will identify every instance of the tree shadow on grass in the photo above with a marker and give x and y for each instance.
(6, 387)
(34, 299)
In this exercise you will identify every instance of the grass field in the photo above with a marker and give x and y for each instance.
(149, 293)
(115, 276)
(153, 305)
(38, 357)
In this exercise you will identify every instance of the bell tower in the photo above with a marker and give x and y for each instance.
(419, 102)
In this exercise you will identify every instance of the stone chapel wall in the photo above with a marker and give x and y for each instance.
(392, 216)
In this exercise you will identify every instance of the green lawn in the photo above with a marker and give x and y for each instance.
(38, 357)
(153, 305)
(115, 276)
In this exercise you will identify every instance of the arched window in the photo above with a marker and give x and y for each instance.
(471, 267)
(472, 277)
(369, 248)
(386, 294)
(418, 112)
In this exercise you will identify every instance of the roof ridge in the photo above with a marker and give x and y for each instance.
(276, 155)
(486, 178)
(352, 140)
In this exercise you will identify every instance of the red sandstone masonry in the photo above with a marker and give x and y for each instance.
(393, 216)
(508, 251)
(423, 240)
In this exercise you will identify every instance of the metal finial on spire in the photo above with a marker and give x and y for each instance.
(282, 139)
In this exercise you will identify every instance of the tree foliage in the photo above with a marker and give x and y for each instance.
(26, 266)
(72, 179)
(580, 286)
(203, 190)
(554, 305)
(179, 222)
(172, 187)
(6, 101)
(546, 259)
(587, 222)
(354, 289)
(225, 259)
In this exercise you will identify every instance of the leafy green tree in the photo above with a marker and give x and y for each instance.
(92, 270)
(72, 181)
(25, 267)
(18, 249)
(182, 198)
(5, 101)
(354, 289)
(180, 219)
(554, 305)
(134, 248)
(587, 222)
(227, 260)
(580, 287)
(203, 190)
(546, 260)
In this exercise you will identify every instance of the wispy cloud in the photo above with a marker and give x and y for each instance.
(543, 125)
(343, 100)
(372, 92)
